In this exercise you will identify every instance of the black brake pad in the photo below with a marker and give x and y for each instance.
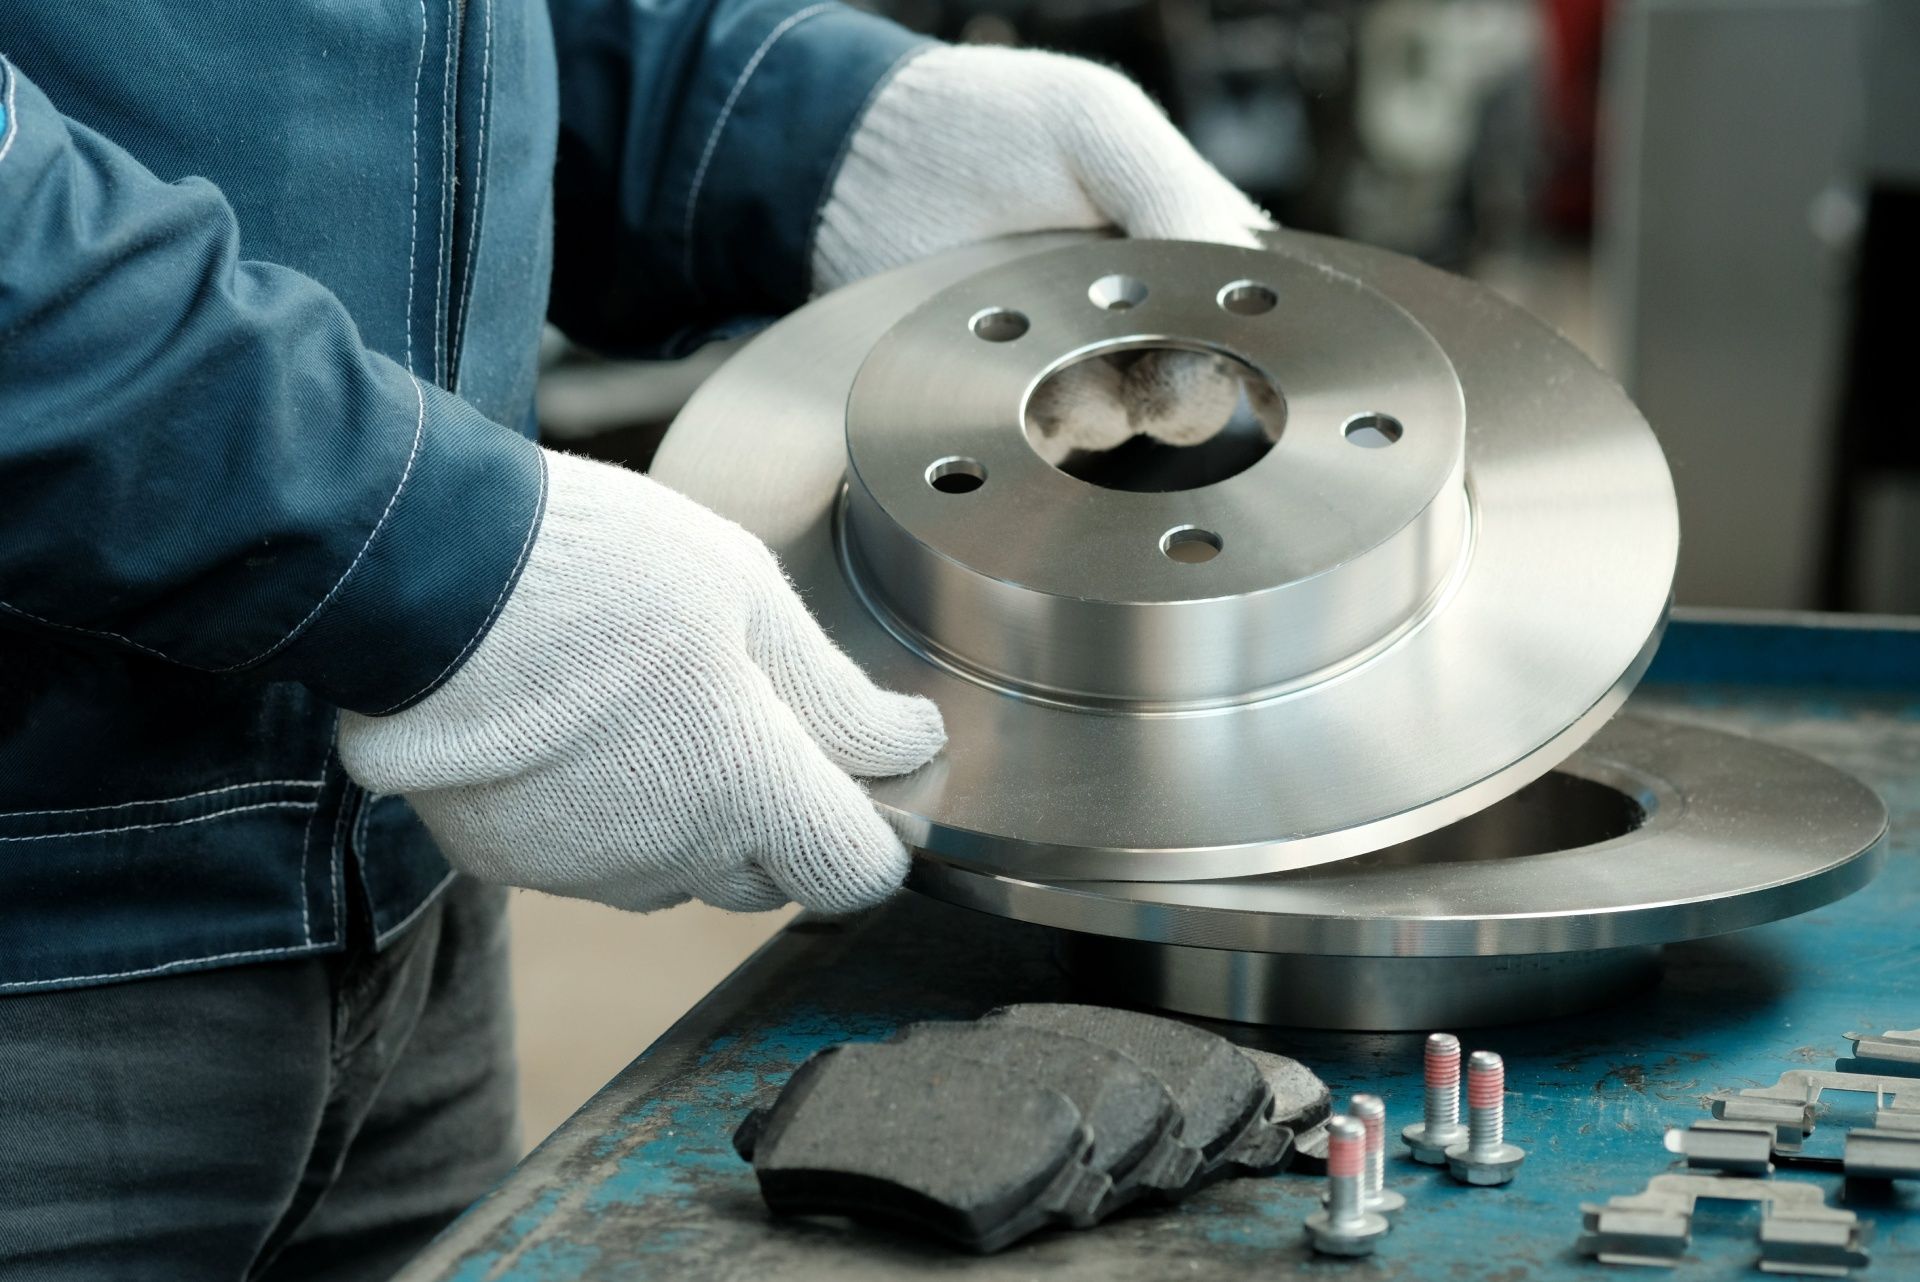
(1301, 1100)
(1137, 1140)
(925, 1141)
(1310, 1149)
(1222, 1096)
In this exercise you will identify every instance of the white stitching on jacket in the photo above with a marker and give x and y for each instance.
(419, 425)
(168, 801)
(85, 632)
(787, 24)
(337, 858)
(413, 209)
(426, 902)
(499, 600)
(13, 116)
(406, 473)
(306, 832)
(446, 196)
(163, 967)
(479, 179)
(169, 823)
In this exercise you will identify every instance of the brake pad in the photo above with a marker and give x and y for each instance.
(1221, 1094)
(1137, 1140)
(1301, 1100)
(919, 1139)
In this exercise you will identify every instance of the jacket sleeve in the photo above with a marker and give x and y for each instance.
(200, 461)
(698, 139)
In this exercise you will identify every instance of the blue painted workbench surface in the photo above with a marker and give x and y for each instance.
(643, 1183)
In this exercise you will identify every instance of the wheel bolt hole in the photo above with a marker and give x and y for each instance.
(956, 475)
(1373, 431)
(998, 324)
(1248, 298)
(1190, 545)
(1118, 293)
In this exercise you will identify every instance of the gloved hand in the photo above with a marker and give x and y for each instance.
(969, 142)
(653, 716)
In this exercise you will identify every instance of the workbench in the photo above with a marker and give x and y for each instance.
(643, 1182)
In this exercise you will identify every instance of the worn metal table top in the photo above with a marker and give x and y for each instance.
(643, 1182)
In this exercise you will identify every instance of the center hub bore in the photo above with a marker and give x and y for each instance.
(979, 552)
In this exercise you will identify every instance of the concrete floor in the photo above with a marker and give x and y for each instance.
(593, 987)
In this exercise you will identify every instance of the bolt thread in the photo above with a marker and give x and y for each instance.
(1371, 1111)
(1346, 1161)
(1443, 1082)
(1486, 1102)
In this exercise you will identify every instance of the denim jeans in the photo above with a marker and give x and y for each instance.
(319, 1118)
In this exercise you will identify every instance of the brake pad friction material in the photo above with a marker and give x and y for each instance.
(924, 1141)
(1220, 1092)
(1137, 1140)
(1301, 1100)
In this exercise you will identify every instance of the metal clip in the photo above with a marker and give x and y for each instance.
(1882, 1155)
(1799, 1233)
(1729, 1148)
(1789, 1104)
(1894, 1051)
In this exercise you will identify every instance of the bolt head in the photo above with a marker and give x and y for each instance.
(1357, 1238)
(1497, 1168)
(1431, 1147)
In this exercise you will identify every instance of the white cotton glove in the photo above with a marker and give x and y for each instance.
(653, 716)
(970, 142)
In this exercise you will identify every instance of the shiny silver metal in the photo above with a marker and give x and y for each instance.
(1873, 1154)
(1726, 1148)
(1799, 1232)
(1791, 1105)
(1371, 1112)
(1389, 639)
(1347, 1226)
(1554, 900)
(1036, 582)
(1485, 1158)
(1439, 1127)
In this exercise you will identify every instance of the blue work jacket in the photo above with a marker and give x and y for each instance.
(271, 281)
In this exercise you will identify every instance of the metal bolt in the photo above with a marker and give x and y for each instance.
(1429, 1140)
(1346, 1226)
(1371, 1112)
(1486, 1157)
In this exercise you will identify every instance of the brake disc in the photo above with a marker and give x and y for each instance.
(1441, 566)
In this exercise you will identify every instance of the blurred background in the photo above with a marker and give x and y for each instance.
(1719, 200)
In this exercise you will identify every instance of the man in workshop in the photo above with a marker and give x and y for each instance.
(282, 574)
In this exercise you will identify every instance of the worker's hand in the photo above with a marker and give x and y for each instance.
(966, 143)
(653, 716)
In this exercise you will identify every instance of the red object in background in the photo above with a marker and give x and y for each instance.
(1574, 32)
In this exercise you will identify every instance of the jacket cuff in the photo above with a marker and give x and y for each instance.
(434, 570)
(777, 140)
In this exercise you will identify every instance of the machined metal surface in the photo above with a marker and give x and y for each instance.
(1894, 1051)
(643, 1181)
(1551, 901)
(1799, 1233)
(1388, 639)
(1727, 1148)
(1792, 1104)
(1874, 1154)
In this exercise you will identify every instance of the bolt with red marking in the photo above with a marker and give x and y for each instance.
(1371, 1112)
(1346, 1226)
(1486, 1157)
(1428, 1140)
